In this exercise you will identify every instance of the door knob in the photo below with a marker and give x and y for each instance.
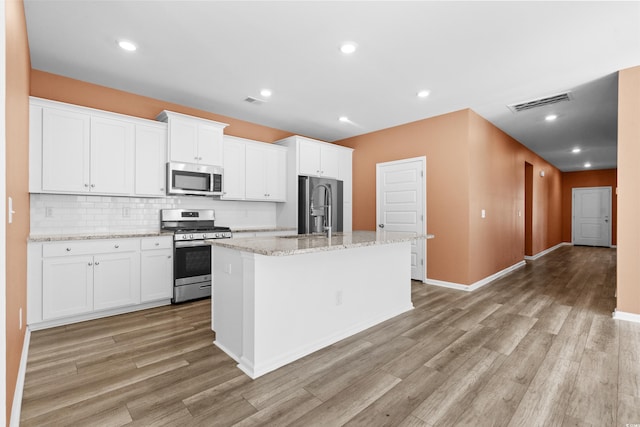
(381, 225)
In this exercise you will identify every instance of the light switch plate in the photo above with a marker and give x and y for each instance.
(11, 211)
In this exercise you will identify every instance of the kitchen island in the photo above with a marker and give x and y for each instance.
(277, 299)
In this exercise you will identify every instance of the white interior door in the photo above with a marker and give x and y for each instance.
(591, 220)
(400, 205)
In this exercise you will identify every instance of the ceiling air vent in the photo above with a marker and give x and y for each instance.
(255, 101)
(516, 108)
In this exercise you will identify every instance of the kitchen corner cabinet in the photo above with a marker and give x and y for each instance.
(254, 170)
(193, 140)
(72, 281)
(79, 150)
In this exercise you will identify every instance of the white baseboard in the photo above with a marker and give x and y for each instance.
(546, 251)
(629, 317)
(479, 283)
(22, 370)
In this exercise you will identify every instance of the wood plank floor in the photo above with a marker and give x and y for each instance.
(535, 348)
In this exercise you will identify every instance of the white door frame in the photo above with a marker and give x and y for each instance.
(423, 160)
(573, 210)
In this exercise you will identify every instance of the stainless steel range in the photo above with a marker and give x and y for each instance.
(192, 278)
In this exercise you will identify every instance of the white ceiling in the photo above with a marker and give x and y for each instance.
(211, 55)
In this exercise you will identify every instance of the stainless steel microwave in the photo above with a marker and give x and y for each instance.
(192, 179)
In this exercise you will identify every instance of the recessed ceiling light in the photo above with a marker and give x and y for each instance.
(587, 165)
(344, 119)
(127, 45)
(423, 93)
(551, 117)
(348, 48)
(576, 150)
(265, 92)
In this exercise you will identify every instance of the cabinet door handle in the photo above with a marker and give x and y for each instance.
(157, 243)
(90, 264)
(168, 256)
(68, 249)
(381, 225)
(117, 246)
(162, 189)
(97, 263)
(93, 185)
(86, 185)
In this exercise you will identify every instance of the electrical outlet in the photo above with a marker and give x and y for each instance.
(48, 212)
(126, 212)
(483, 214)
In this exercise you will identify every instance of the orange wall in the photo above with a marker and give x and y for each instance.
(64, 89)
(442, 139)
(471, 165)
(497, 185)
(17, 174)
(598, 178)
(628, 268)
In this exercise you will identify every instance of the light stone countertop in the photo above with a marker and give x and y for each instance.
(300, 244)
(120, 235)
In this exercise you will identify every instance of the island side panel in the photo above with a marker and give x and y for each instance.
(227, 300)
(305, 302)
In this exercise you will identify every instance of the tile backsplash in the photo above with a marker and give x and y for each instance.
(55, 214)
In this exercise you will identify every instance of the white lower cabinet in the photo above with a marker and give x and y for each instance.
(156, 269)
(67, 286)
(116, 280)
(71, 281)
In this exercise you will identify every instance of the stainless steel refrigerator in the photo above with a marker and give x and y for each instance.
(319, 200)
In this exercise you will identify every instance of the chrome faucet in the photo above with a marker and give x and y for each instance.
(327, 206)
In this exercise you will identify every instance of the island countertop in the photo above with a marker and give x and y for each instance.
(300, 244)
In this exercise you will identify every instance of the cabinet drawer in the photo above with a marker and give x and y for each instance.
(88, 247)
(149, 243)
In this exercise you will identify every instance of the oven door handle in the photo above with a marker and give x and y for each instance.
(191, 243)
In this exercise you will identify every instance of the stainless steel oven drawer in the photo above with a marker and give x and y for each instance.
(192, 291)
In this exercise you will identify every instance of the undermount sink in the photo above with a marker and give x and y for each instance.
(309, 236)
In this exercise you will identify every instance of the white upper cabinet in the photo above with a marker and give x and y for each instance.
(233, 181)
(80, 150)
(254, 170)
(151, 159)
(83, 153)
(112, 156)
(65, 150)
(193, 140)
(266, 172)
(318, 159)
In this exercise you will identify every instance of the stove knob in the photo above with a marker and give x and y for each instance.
(191, 236)
(204, 236)
(184, 237)
(219, 235)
